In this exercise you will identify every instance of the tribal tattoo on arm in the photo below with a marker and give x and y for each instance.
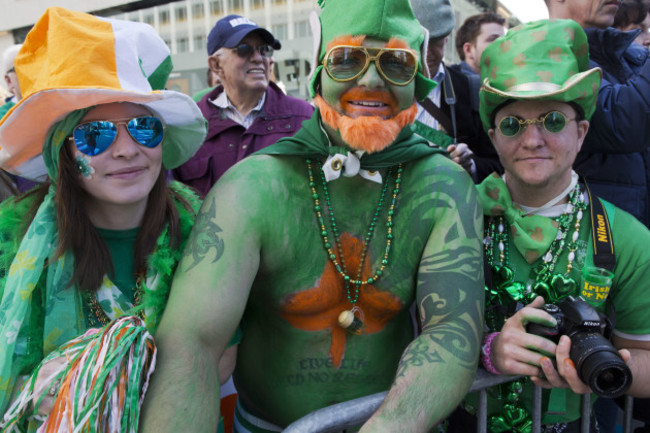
(450, 284)
(452, 323)
(204, 238)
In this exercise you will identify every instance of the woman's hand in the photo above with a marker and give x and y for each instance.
(516, 352)
(44, 380)
(44, 384)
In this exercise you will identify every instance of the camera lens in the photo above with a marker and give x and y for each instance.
(600, 365)
(610, 379)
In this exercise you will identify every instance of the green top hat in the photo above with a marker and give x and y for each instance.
(378, 19)
(540, 60)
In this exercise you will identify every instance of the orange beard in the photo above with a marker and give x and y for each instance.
(368, 133)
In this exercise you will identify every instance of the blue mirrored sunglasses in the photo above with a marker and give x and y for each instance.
(93, 138)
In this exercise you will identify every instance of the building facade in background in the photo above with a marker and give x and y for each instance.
(185, 24)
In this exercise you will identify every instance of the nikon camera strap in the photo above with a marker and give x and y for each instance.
(601, 234)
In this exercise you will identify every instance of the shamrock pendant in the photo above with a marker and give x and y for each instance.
(516, 291)
(497, 424)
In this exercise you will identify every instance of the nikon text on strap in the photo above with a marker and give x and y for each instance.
(601, 233)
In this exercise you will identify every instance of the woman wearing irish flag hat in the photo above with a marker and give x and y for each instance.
(99, 241)
(563, 262)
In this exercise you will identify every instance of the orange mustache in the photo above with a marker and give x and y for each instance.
(359, 94)
(368, 133)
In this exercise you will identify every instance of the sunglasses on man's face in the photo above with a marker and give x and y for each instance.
(346, 63)
(553, 121)
(246, 50)
(93, 138)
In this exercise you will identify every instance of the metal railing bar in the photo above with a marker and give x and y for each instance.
(585, 413)
(627, 414)
(339, 416)
(537, 409)
(481, 416)
(354, 413)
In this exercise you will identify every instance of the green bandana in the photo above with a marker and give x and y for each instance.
(57, 137)
(312, 142)
(532, 234)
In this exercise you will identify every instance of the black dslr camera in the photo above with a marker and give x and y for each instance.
(598, 363)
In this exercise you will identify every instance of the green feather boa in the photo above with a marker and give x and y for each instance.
(162, 261)
(42, 332)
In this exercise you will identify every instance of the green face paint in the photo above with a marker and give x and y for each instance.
(320, 358)
(371, 81)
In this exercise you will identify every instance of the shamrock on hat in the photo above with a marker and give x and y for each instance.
(541, 60)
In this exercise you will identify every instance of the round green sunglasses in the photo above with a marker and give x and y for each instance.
(553, 122)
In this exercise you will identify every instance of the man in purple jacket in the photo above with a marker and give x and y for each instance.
(246, 112)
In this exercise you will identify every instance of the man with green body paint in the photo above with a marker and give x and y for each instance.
(353, 219)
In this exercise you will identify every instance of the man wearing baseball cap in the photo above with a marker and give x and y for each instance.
(246, 112)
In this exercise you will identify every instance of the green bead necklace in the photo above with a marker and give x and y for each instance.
(544, 281)
(339, 262)
(506, 292)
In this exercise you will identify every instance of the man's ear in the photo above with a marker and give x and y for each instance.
(583, 128)
(467, 49)
(214, 65)
(491, 135)
(7, 80)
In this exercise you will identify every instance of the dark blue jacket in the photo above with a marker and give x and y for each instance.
(614, 158)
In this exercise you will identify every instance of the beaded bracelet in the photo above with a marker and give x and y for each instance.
(486, 351)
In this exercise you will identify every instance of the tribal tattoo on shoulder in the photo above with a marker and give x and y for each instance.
(451, 306)
(204, 238)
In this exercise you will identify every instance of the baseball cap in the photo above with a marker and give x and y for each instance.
(230, 30)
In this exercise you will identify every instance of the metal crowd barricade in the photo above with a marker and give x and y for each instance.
(353, 413)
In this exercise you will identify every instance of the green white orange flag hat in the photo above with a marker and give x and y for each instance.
(540, 60)
(72, 60)
(377, 19)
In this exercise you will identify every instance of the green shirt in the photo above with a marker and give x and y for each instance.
(55, 315)
(121, 244)
(628, 295)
